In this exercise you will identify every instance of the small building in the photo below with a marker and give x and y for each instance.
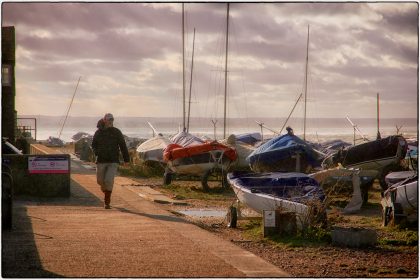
(9, 114)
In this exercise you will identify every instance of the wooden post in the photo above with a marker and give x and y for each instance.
(279, 222)
(378, 136)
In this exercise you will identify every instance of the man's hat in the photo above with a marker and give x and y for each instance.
(108, 116)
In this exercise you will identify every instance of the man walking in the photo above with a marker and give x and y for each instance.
(107, 143)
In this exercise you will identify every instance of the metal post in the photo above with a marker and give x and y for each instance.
(226, 70)
(306, 86)
(183, 70)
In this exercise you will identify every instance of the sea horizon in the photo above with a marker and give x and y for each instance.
(317, 129)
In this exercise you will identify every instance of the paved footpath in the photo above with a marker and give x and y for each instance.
(77, 237)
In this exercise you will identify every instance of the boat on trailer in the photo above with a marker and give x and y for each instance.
(400, 200)
(384, 155)
(242, 149)
(152, 149)
(285, 153)
(197, 158)
(289, 192)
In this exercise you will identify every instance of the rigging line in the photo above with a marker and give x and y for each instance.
(233, 44)
(291, 112)
(191, 79)
(245, 101)
(219, 67)
(68, 110)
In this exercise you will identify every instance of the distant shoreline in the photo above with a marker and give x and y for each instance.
(78, 120)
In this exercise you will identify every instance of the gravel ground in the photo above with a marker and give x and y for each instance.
(314, 260)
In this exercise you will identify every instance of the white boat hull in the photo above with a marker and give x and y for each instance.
(243, 150)
(260, 202)
(199, 166)
(198, 169)
(406, 195)
(152, 149)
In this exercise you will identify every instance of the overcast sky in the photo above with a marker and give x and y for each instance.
(129, 58)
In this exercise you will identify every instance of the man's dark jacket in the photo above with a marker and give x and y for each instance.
(107, 143)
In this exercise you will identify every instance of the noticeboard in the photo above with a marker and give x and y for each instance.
(269, 218)
(48, 165)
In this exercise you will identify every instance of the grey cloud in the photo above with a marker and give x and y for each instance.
(403, 22)
(93, 17)
(382, 43)
(273, 34)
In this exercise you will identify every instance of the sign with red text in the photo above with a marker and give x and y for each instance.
(48, 165)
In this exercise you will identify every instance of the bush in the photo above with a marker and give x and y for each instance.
(143, 170)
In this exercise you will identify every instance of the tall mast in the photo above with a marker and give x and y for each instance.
(183, 70)
(191, 79)
(306, 85)
(226, 70)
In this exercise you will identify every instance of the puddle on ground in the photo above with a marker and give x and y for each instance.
(87, 166)
(204, 213)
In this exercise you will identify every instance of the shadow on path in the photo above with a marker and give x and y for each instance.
(20, 258)
(154, 216)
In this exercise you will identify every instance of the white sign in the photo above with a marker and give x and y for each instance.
(269, 218)
(48, 165)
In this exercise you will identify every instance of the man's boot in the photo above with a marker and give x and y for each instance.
(107, 199)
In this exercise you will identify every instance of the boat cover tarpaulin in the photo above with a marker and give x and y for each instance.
(374, 150)
(292, 186)
(175, 151)
(186, 139)
(152, 149)
(282, 148)
(249, 138)
(395, 177)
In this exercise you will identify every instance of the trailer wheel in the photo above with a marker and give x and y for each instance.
(386, 215)
(225, 182)
(167, 178)
(232, 217)
(397, 214)
(204, 180)
(364, 188)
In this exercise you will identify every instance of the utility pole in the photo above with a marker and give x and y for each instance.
(214, 128)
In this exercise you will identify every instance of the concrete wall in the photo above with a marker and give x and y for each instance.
(38, 185)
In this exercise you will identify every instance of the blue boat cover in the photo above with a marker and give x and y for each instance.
(249, 138)
(292, 186)
(282, 148)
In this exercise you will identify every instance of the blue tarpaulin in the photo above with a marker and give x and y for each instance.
(271, 155)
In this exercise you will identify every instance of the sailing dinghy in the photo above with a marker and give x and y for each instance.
(152, 149)
(196, 157)
(400, 200)
(292, 192)
(384, 155)
(242, 149)
(285, 153)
